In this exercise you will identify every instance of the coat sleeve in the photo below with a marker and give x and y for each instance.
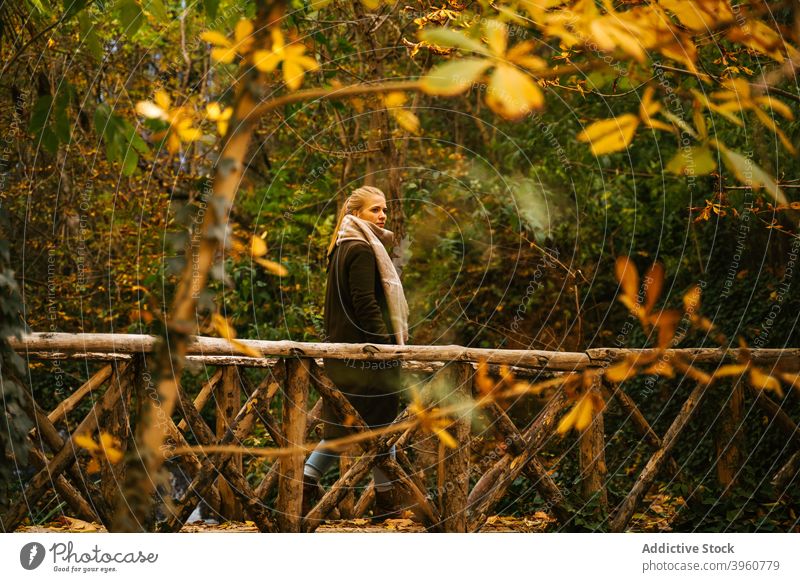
(362, 273)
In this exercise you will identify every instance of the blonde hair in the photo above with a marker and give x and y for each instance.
(355, 202)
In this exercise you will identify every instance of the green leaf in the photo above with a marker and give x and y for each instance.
(39, 6)
(39, 114)
(750, 174)
(694, 161)
(448, 37)
(157, 9)
(130, 16)
(61, 125)
(123, 143)
(72, 7)
(130, 161)
(49, 140)
(210, 6)
(89, 36)
(454, 77)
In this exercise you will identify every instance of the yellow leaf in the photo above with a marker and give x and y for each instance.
(496, 36)
(150, 110)
(621, 372)
(791, 379)
(730, 370)
(520, 54)
(406, 120)
(162, 99)
(666, 322)
(770, 124)
(222, 326)
(215, 38)
(648, 106)
(568, 420)
(610, 135)
(653, 283)
(258, 248)
(85, 441)
(691, 300)
(758, 36)
(584, 415)
(611, 33)
(223, 55)
(700, 123)
(273, 267)
(446, 438)
(244, 28)
(266, 61)
(245, 349)
(762, 381)
(93, 466)
(453, 77)
(660, 368)
(512, 93)
(111, 448)
(778, 106)
(628, 276)
(394, 99)
(700, 15)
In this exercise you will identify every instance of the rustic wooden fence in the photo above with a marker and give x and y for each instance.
(291, 370)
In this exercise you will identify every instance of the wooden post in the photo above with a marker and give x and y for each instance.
(592, 455)
(119, 426)
(645, 480)
(456, 461)
(71, 401)
(494, 483)
(346, 459)
(228, 402)
(290, 480)
(534, 470)
(215, 464)
(63, 458)
(728, 439)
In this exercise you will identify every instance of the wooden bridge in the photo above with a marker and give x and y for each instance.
(456, 492)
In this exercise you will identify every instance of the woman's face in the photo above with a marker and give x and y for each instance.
(374, 210)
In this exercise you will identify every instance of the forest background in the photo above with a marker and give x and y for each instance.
(510, 222)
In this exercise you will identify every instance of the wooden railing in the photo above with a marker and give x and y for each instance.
(292, 369)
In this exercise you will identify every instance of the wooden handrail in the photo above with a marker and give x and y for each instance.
(99, 345)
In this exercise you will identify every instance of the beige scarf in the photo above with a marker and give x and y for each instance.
(378, 238)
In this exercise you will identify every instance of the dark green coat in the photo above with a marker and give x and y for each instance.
(355, 303)
(356, 312)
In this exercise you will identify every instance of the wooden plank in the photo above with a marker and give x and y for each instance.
(227, 404)
(456, 461)
(592, 456)
(63, 458)
(540, 359)
(70, 402)
(203, 396)
(118, 426)
(534, 470)
(214, 464)
(628, 506)
(45, 431)
(290, 481)
(639, 422)
(778, 416)
(494, 483)
(728, 439)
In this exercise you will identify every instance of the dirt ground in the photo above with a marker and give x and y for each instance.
(535, 523)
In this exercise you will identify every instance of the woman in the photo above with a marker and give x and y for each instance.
(364, 303)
